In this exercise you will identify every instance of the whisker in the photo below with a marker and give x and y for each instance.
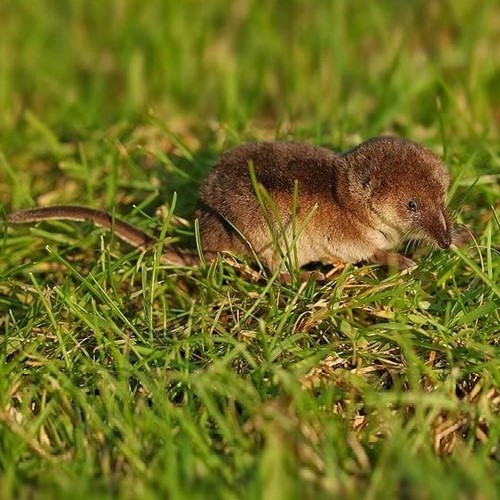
(408, 248)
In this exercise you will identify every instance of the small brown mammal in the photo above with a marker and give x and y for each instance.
(350, 207)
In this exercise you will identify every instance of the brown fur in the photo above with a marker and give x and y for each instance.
(360, 197)
(350, 207)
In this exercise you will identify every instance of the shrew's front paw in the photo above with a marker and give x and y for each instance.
(392, 260)
(317, 276)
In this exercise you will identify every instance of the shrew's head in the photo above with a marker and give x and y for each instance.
(403, 185)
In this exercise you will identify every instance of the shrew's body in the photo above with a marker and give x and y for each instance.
(348, 207)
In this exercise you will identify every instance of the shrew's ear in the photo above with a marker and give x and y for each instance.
(367, 184)
(360, 176)
(366, 179)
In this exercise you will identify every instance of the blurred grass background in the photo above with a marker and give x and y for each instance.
(374, 385)
(345, 66)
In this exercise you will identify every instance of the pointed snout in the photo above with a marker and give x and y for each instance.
(444, 240)
(439, 228)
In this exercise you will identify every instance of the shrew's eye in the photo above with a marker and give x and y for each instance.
(412, 206)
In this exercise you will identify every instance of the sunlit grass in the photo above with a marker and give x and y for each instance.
(124, 378)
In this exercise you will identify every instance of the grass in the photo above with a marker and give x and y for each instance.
(123, 378)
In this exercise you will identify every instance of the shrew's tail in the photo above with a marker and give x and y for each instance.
(121, 229)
